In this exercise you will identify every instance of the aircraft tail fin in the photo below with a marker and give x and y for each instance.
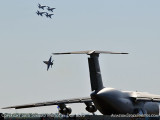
(94, 68)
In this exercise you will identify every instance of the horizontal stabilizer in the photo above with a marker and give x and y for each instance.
(89, 52)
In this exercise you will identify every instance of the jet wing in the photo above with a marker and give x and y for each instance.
(48, 67)
(49, 103)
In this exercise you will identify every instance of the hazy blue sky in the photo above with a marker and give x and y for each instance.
(116, 25)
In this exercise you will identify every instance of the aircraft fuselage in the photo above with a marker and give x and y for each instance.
(111, 101)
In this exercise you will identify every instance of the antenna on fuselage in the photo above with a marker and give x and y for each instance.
(94, 68)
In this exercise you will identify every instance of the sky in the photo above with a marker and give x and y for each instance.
(114, 25)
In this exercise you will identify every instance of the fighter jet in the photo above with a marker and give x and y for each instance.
(40, 13)
(107, 100)
(49, 63)
(40, 6)
(50, 9)
(49, 15)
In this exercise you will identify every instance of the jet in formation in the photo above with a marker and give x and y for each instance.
(107, 100)
(49, 15)
(40, 13)
(41, 6)
(50, 9)
(49, 63)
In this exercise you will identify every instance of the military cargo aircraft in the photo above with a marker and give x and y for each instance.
(50, 9)
(40, 6)
(107, 100)
(49, 63)
(40, 13)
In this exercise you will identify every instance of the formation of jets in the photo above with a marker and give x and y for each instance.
(45, 13)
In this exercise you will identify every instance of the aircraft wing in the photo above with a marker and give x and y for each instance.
(48, 67)
(146, 99)
(49, 103)
(141, 96)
